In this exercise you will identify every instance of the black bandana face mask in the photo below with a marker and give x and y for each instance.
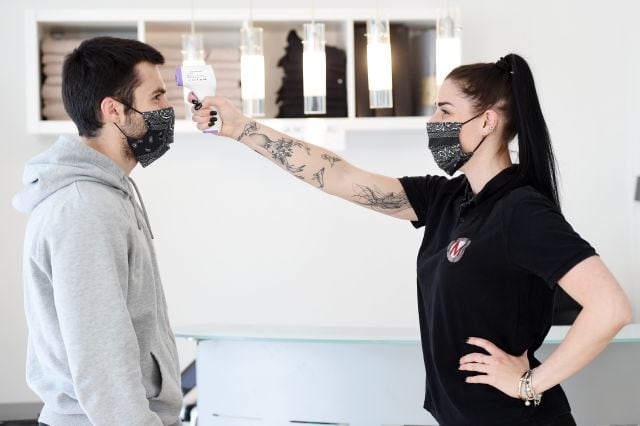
(159, 135)
(444, 143)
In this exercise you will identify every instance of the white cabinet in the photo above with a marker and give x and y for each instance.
(221, 29)
(365, 376)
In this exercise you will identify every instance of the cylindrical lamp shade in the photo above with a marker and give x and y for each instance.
(314, 69)
(192, 54)
(252, 71)
(448, 45)
(379, 63)
(192, 49)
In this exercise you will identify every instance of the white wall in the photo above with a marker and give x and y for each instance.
(240, 241)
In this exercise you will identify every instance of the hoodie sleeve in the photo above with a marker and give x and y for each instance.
(89, 249)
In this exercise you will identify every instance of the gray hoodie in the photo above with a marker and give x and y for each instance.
(100, 349)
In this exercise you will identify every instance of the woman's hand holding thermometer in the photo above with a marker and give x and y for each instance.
(201, 80)
(209, 111)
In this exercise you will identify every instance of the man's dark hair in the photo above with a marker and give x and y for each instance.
(98, 68)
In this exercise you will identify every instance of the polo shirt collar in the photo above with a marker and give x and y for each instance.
(497, 183)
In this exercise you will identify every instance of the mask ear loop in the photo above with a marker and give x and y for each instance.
(124, 134)
(127, 105)
(472, 118)
(120, 130)
(482, 140)
(479, 143)
(132, 108)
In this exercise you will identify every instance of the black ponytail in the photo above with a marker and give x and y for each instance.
(536, 158)
(508, 86)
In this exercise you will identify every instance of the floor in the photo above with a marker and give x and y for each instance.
(23, 414)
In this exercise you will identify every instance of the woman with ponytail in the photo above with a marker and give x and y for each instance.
(496, 246)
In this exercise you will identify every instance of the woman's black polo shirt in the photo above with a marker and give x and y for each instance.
(487, 268)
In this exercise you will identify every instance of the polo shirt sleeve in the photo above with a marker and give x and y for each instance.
(421, 192)
(541, 241)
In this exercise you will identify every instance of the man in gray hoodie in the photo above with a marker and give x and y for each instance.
(100, 348)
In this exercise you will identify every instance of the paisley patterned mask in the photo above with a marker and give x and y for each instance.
(159, 135)
(444, 144)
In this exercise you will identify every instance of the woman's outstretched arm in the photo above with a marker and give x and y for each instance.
(312, 164)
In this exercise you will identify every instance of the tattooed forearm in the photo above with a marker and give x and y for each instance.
(281, 150)
(304, 161)
(377, 200)
(319, 177)
(331, 159)
(249, 129)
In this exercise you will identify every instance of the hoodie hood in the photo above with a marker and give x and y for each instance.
(68, 161)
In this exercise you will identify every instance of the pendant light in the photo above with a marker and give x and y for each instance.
(192, 44)
(314, 67)
(448, 43)
(192, 49)
(192, 54)
(252, 67)
(379, 62)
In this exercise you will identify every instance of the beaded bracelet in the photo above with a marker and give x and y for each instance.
(529, 394)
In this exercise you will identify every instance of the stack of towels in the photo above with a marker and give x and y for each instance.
(54, 51)
(225, 62)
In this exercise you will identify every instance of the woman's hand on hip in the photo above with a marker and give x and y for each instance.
(498, 369)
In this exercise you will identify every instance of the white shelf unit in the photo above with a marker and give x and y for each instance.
(143, 23)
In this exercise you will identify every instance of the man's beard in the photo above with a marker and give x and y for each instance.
(127, 153)
(133, 129)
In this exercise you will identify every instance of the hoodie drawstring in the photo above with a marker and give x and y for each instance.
(144, 210)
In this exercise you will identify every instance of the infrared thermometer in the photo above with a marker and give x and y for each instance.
(201, 80)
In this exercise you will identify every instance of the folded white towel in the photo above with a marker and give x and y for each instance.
(228, 84)
(173, 39)
(54, 111)
(53, 80)
(52, 69)
(224, 66)
(52, 92)
(59, 46)
(50, 58)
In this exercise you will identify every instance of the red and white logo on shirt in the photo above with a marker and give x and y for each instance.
(456, 249)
